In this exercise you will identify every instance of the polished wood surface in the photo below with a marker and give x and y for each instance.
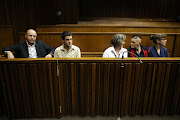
(176, 45)
(99, 41)
(119, 26)
(90, 86)
(91, 54)
(6, 36)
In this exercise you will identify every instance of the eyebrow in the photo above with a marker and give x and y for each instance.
(32, 35)
(69, 39)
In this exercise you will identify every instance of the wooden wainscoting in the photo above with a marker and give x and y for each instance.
(90, 86)
(6, 36)
(118, 26)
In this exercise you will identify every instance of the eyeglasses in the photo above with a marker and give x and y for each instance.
(163, 39)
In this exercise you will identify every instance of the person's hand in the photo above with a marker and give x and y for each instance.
(48, 56)
(10, 55)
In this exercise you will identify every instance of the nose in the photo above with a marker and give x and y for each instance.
(32, 37)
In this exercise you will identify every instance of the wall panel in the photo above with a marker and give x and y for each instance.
(89, 87)
(6, 36)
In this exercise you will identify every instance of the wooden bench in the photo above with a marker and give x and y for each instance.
(149, 27)
(99, 41)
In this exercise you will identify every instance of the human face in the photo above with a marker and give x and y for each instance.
(134, 43)
(122, 43)
(67, 41)
(31, 36)
(162, 42)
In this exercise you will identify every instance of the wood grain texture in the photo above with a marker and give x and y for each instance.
(104, 87)
(6, 36)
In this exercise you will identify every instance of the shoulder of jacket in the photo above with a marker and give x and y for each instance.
(21, 42)
(145, 48)
(39, 41)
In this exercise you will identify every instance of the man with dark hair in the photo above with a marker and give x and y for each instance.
(29, 48)
(137, 48)
(67, 49)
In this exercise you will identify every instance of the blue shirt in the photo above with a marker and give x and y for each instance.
(163, 52)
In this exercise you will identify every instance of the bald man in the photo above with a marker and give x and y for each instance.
(29, 48)
(137, 48)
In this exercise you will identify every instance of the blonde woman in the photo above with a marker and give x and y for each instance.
(158, 50)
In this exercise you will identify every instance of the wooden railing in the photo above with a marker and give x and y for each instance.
(99, 41)
(134, 26)
(90, 86)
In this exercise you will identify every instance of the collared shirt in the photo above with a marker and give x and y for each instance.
(74, 51)
(32, 50)
(163, 52)
(111, 53)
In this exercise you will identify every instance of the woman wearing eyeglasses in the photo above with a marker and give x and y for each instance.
(158, 50)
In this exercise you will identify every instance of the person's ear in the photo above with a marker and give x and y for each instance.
(25, 36)
(158, 41)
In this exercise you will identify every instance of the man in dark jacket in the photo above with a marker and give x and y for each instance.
(137, 48)
(29, 48)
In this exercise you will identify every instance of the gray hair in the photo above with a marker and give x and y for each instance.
(118, 39)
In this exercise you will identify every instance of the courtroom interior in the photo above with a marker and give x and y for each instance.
(89, 86)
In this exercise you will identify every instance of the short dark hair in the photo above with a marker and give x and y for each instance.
(136, 36)
(65, 33)
(157, 36)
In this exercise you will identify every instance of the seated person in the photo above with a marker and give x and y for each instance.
(67, 49)
(137, 48)
(158, 50)
(117, 50)
(29, 48)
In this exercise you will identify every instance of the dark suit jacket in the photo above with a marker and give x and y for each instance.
(21, 49)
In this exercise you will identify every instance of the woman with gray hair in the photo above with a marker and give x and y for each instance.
(158, 50)
(117, 50)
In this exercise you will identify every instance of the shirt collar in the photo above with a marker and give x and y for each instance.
(63, 49)
(113, 50)
(30, 45)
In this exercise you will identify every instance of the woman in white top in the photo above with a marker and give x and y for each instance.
(117, 50)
